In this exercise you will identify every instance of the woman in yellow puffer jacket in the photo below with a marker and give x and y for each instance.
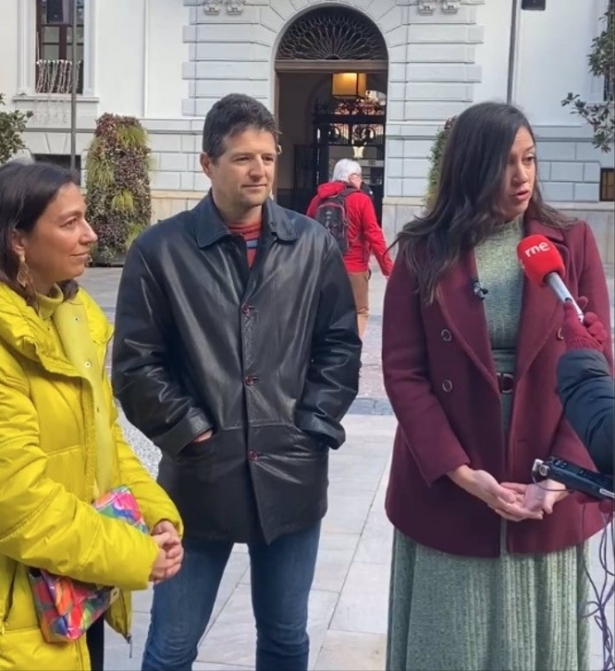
(60, 442)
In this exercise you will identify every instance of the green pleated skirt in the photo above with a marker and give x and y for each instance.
(515, 613)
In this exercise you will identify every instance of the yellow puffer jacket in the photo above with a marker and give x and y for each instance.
(47, 481)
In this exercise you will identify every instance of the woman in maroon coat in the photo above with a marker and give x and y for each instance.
(488, 568)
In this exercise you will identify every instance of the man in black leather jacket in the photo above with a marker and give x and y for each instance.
(585, 386)
(236, 352)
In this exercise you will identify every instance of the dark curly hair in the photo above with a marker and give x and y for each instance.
(232, 115)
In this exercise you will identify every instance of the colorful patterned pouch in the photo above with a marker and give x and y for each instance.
(66, 608)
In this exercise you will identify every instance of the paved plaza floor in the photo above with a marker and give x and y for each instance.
(348, 604)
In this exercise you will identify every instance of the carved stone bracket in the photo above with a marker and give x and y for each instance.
(450, 6)
(427, 6)
(212, 6)
(232, 6)
(235, 7)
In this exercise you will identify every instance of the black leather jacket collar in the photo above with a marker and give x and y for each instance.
(209, 227)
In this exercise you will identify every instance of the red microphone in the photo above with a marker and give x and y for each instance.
(543, 265)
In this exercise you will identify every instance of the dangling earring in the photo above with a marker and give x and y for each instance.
(23, 273)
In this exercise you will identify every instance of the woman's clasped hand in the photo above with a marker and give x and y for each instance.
(170, 553)
(513, 501)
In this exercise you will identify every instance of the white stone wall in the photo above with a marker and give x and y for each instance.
(175, 149)
(134, 55)
(434, 82)
(432, 69)
(570, 166)
(168, 61)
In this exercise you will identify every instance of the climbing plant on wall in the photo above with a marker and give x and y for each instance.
(435, 158)
(118, 193)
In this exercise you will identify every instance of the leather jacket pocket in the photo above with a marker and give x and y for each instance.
(199, 449)
(310, 441)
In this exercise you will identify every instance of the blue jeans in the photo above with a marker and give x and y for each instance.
(281, 574)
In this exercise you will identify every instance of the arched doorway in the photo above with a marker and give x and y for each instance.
(331, 82)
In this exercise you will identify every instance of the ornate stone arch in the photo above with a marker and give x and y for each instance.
(329, 34)
(331, 38)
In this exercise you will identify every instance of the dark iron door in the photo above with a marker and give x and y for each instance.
(359, 125)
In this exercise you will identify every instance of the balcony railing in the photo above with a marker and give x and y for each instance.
(56, 76)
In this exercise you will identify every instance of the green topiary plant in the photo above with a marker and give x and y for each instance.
(12, 125)
(435, 157)
(118, 193)
(601, 61)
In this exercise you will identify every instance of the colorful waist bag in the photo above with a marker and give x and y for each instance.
(67, 608)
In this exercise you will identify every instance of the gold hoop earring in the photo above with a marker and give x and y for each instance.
(23, 273)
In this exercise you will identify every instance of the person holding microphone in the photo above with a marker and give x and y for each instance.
(585, 385)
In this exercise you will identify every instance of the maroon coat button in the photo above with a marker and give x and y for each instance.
(447, 386)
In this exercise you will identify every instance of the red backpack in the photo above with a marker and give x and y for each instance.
(331, 213)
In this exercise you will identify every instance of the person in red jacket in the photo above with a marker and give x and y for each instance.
(364, 234)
